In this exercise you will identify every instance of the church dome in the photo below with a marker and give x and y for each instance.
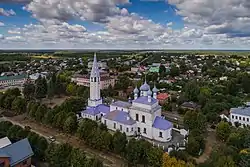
(136, 90)
(149, 92)
(145, 87)
(155, 90)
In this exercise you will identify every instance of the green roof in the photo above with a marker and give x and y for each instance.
(154, 69)
(5, 78)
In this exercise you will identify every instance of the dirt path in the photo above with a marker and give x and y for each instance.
(109, 159)
(210, 142)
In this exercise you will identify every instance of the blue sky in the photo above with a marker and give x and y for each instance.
(113, 24)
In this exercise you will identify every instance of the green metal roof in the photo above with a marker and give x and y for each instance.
(5, 78)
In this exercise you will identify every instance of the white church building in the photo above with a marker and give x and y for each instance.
(141, 116)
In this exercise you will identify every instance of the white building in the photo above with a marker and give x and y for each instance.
(13, 81)
(240, 115)
(140, 117)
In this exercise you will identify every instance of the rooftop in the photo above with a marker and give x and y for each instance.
(97, 110)
(120, 116)
(22, 76)
(241, 111)
(144, 100)
(17, 152)
(4, 142)
(161, 123)
(122, 104)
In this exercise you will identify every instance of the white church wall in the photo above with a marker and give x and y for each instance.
(112, 108)
(129, 130)
(166, 135)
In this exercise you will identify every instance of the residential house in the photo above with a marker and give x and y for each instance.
(16, 155)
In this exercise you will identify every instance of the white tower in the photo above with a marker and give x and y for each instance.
(95, 95)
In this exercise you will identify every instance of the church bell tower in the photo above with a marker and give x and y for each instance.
(94, 80)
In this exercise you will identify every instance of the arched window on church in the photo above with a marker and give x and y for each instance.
(95, 79)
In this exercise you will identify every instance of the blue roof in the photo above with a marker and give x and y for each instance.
(161, 123)
(18, 152)
(241, 111)
(121, 104)
(3, 154)
(144, 100)
(120, 116)
(97, 110)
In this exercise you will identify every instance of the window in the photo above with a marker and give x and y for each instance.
(139, 130)
(95, 79)
(105, 122)
(145, 130)
(247, 119)
(236, 117)
(114, 125)
(143, 118)
(127, 130)
(137, 117)
(243, 118)
(120, 127)
(232, 116)
(239, 118)
(160, 134)
(132, 129)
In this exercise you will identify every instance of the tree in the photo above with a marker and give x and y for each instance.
(155, 157)
(193, 146)
(8, 101)
(48, 117)
(40, 88)
(51, 89)
(174, 71)
(70, 124)
(41, 111)
(19, 105)
(192, 90)
(162, 69)
(71, 89)
(28, 91)
(223, 130)
(13, 92)
(119, 142)
(78, 158)
(173, 162)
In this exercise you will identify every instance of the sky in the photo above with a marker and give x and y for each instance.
(125, 24)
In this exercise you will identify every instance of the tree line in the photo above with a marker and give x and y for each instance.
(56, 155)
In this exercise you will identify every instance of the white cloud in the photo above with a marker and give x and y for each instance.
(63, 10)
(4, 12)
(229, 17)
(1, 24)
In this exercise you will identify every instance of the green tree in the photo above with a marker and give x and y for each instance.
(40, 88)
(174, 71)
(41, 111)
(119, 142)
(19, 105)
(28, 91)
(78, 158)
(192, 90)
(223, 130)
(70, 124)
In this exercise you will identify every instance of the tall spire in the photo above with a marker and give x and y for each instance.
(95, 68)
